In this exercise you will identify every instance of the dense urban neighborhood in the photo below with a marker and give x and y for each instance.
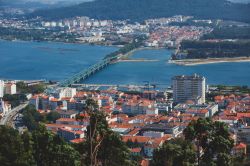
(145, 120)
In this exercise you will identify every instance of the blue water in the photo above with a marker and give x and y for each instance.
(58, 61)
(43, 60)
(161, 72)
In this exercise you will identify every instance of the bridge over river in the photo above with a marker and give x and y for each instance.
(123, 52)
(90, 71)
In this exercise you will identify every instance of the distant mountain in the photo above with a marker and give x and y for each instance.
(39, 4)
(240, 1)
(138, 10)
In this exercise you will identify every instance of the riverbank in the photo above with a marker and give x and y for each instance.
(138, 60)
(126, 57)
(192, 62)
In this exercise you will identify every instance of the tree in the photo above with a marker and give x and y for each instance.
(28, 147)
(50, 149)
(14, 149)
(34, 89)
(53, 116)
(176, 152)
(31, 117)
(15, 99)
(40, 148)
(113, 151)
(103, 145)
(213, 139)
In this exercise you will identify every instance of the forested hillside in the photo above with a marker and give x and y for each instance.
(139, 10)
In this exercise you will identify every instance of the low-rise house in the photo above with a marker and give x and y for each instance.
(240, 149)
(54, 127)
(152, 111)
(54, 103)
(136, 151)
(121, 131)
(67, 114)
(44, 100)
(34, 101)
(243, 134)
(68, 134)
(68, 121)
(153, 134)
(139, 139)
(171, 129)
(77, 140)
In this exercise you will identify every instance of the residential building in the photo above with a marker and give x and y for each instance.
(35, 102)
(189, 88)
(153, 134)
(1, 88)
(240, 149)
(67, 114)
(10, 88)
(68, 134)
(64, 92)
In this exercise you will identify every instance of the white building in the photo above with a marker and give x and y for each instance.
(153, 134)
(1, 88)
(189, 88)
(53, 24)
(69, 92)
(152, 111)
(10, 88)
(64, 92)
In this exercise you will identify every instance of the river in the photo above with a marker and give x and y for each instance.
(45, 60)
(57, 61)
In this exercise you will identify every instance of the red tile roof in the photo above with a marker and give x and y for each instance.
(135, 150)
(77, 140)
(240, 146)
(140, 139)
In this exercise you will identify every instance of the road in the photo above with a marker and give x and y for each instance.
(9, 116)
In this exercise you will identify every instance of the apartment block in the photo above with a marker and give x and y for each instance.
(189, 88)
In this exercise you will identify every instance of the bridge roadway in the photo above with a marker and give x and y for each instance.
(90, 71)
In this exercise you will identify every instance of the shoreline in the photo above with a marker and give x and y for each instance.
(137, 60)
(126, 56)
(60, 42)
(84, 43)
(193, 62)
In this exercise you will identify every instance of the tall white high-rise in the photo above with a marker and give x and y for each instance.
(189, 88)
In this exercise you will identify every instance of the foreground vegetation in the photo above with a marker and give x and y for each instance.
(42, 148)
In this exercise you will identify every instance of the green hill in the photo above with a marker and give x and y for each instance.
(138, 10)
